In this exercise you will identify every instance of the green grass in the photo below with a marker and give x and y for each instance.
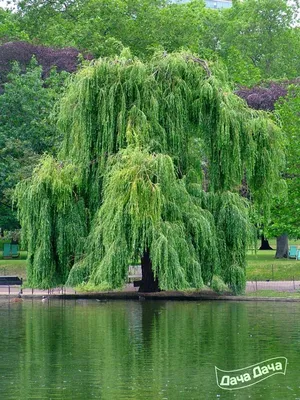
(13, 270)
(22, 256)
(274, 293)
(14, 266)
(263, 265)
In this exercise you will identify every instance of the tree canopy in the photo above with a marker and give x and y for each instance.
(260, 40)
(285, 214)
(10, 27)
(26, 131)
(152, 161)
(255, 39)
(48, 58)
(283, 98)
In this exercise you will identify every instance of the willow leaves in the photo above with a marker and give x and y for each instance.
(154, 158)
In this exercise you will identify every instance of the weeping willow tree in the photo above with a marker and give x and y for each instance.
(151, 167)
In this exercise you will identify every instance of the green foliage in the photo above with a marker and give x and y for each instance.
(235, 278)
(286, 209)
(8, 218)
(256, 39)
(10, 27)
(90, 287)
(25, 107)
(160, 151)
(235, 234)
(241, 68)
(53, 228)
(218, 285)
(261, 36)
(26, 130)
(146, 206)
(104, 27)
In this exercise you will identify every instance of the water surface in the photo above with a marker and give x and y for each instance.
(147, 350)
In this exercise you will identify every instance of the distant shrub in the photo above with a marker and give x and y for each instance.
(63, 59)
(263, 98)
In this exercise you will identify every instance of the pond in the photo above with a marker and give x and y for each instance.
(87, 349)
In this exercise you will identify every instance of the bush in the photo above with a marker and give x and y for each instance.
(218, 285)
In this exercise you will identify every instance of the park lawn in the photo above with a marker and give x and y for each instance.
(263, 265)
(14, 266)
(18, 268)
(275, 271)
(22, 257)
(274, 293)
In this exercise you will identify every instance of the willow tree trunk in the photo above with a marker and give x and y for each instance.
(264, 245)
(148, 283)
(282, 248)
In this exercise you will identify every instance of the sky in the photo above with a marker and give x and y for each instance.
(4, 4)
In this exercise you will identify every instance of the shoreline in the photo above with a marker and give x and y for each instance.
(157, 296)
(255, 291)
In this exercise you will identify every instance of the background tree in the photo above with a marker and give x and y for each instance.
(262, 35)
(265, 95)
(10, 27)
(130, 184)
(96, 25)
(256, 39)
(29, 88)
(283, 221)
(67, 59)
(285, 213)
(105, 27)
(26, 131)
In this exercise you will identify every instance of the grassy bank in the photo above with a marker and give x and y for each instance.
(262, 266)
(274, 293)
(15, 266)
